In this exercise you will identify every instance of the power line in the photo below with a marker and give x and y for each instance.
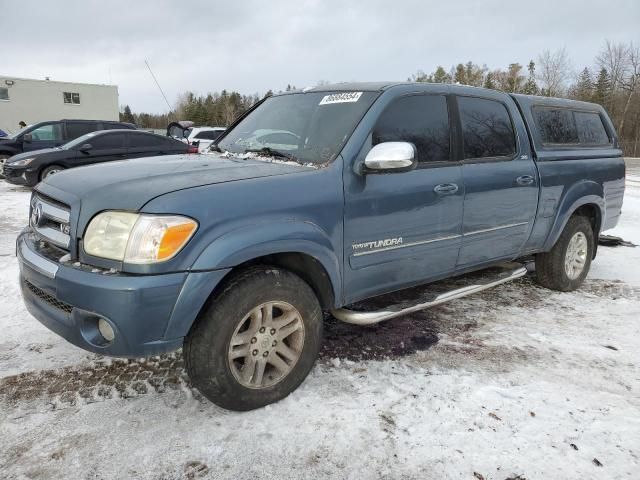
(159, 87)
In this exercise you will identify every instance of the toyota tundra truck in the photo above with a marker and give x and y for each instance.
(310, 202)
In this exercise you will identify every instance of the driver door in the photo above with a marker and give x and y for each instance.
(45, 136)
(403, 229)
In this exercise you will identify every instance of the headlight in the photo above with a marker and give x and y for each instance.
(137, 238)
(23, 162)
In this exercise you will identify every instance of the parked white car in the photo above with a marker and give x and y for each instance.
(205, 136)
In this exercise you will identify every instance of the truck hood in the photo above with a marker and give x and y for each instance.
(129, 184)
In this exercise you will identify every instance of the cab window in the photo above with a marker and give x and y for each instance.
(487, 131)
(419, 119)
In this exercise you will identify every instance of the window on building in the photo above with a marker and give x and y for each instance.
(71, 97)
(420, 119)
(4, 93)
(486, 128)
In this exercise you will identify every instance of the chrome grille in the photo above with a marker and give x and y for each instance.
(47, 298)
(50, 221)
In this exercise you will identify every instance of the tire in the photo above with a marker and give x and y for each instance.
(239, 312)
(576, 242)
(3, 159)
(50, 170)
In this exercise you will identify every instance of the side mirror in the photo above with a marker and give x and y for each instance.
(86, 147)
(27, 137)
(391, 157)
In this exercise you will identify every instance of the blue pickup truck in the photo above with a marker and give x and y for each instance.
(313, 201)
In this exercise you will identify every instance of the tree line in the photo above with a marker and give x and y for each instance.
(613, 81)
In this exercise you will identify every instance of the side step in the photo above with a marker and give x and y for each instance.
(489, 278)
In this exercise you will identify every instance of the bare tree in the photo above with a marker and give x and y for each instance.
(631, 80)
(554, 70)
(615, 58)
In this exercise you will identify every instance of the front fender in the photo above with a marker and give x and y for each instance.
(250, 242)
(582, 193)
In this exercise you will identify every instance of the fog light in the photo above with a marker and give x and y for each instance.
(106, 330)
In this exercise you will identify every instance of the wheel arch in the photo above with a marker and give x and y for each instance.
(585, 198)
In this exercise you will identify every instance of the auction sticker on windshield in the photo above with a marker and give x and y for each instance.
(344, 97)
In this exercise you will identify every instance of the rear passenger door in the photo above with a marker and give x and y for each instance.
(500, 180)
(402, 229)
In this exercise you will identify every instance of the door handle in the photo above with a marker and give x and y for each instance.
(446, 188)
(524, 180)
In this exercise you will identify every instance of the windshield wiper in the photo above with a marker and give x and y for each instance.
(271, 153)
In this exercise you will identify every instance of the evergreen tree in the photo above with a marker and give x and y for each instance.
(584, 87)
(440, 76)
(489, 81)
(531, 87)
(127, 116)
(602, 90)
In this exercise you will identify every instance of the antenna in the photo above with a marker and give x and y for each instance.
(159, 87)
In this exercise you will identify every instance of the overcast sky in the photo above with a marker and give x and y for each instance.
(252, 46)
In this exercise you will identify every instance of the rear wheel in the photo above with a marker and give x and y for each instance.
(256, 341)
(50, 170)
(566, 266)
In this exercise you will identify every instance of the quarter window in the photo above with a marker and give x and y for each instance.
(590, 128)
(71, 97)
(420, 119)
(4, 93)
(487, 130)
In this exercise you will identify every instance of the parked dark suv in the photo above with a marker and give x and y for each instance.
(52, 134)
(95, 147)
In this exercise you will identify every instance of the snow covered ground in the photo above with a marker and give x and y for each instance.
(516, 382)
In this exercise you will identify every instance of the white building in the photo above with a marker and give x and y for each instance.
(31, 101)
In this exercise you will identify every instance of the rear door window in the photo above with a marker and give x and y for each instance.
(108, 141)
(487, 130)
(142, 140)
(77, 129)
(419, 119)
(590, 128)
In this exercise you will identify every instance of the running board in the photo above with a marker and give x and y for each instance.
(505, 273)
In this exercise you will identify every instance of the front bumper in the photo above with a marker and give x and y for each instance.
(19, 176)
(150, 314)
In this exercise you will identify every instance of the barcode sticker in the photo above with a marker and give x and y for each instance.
(344, 97)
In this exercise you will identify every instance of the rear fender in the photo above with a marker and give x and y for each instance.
(583, 193)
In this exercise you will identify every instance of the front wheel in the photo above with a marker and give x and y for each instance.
(565, 267)
(256, 341)
(50, 170)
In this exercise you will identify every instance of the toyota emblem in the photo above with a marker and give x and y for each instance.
(36, 214)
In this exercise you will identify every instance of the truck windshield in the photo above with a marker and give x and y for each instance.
(306, 127)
